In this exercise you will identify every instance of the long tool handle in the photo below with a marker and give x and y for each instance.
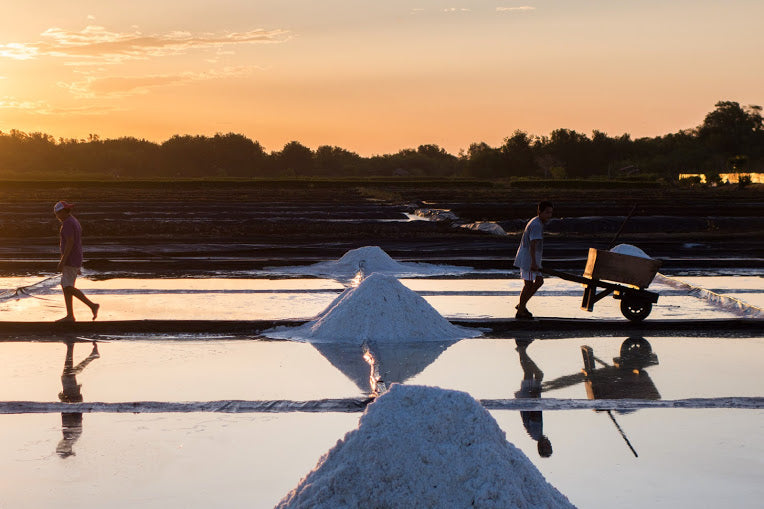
(618, 234)
(610, 413)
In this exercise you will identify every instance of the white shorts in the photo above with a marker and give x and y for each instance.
(69, 275)
(530, 275)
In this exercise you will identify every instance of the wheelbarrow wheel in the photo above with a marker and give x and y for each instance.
(634, 310)
(636, 348)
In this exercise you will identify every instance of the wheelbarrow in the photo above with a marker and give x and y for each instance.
(625, 276)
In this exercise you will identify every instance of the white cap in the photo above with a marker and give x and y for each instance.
(59, 206)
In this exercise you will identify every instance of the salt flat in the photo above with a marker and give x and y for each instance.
(268, 299)
(698, 456)
(686, 456)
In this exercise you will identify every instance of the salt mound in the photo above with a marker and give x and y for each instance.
(366, 259)
(370, 259)
(378, 309)
(425, 447)
(628, 249)
(486, 227)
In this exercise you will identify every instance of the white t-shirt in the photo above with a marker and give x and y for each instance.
(534, 230)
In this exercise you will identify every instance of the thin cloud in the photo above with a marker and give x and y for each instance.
(456, 9)
(18, 51)
(43, 108)
(522, 8)
(97, 44)
(123, 86)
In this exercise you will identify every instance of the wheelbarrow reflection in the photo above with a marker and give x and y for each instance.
(626, 378)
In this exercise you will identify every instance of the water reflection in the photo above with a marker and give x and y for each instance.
(530, 387)
(623, 379)
(626, 378)
(71, 423)
(374, 366)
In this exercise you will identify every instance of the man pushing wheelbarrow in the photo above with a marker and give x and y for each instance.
(528, 258)
(625, 272)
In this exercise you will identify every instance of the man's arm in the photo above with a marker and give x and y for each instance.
(68, 246)
(534, 245)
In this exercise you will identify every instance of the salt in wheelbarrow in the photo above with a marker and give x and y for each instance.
(605, 269)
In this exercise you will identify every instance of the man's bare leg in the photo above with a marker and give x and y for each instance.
(525, 294)
(529, 290)
(70, 292)
(68, 302)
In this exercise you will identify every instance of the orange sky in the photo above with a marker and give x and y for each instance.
(374, 78)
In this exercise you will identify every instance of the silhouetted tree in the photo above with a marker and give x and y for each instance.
(336, 161)
(732, 130)
(572, 149)
(730, 137)
(295, 159)
(237, 156)
(517, 152)
(484, 161)
(437, 162)
(187, 156)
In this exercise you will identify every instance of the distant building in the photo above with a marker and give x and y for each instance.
(730, 178)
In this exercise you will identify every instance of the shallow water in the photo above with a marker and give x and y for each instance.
(207, 369)
(253, 460)
(267, 299)
(702, 457)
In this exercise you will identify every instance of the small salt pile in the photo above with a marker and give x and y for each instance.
(421, 446)
(485, 226)
(628, 249)
(369, 259)
(380, 308)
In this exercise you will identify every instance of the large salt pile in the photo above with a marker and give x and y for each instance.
(380, 308)
(370, 259)
(425, 447)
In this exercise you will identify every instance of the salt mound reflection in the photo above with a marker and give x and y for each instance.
(380, 309)
(374, 367)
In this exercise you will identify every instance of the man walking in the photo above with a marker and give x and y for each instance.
(71, 259)
(528, 258)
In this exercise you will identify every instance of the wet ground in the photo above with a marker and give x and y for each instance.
(490, 296)
(239, 420)
(224, 420)
(657, 457)
(222, 229)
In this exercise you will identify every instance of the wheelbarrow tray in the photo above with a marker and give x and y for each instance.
(621, 268)
(636, 303)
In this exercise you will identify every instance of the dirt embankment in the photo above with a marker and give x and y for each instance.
(193, 227)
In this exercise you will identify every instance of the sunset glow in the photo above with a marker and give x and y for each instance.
(374, 77)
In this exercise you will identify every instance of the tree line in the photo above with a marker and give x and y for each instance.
(731, 138)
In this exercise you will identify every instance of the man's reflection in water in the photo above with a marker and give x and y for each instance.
(71, 423)
(530, 387)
